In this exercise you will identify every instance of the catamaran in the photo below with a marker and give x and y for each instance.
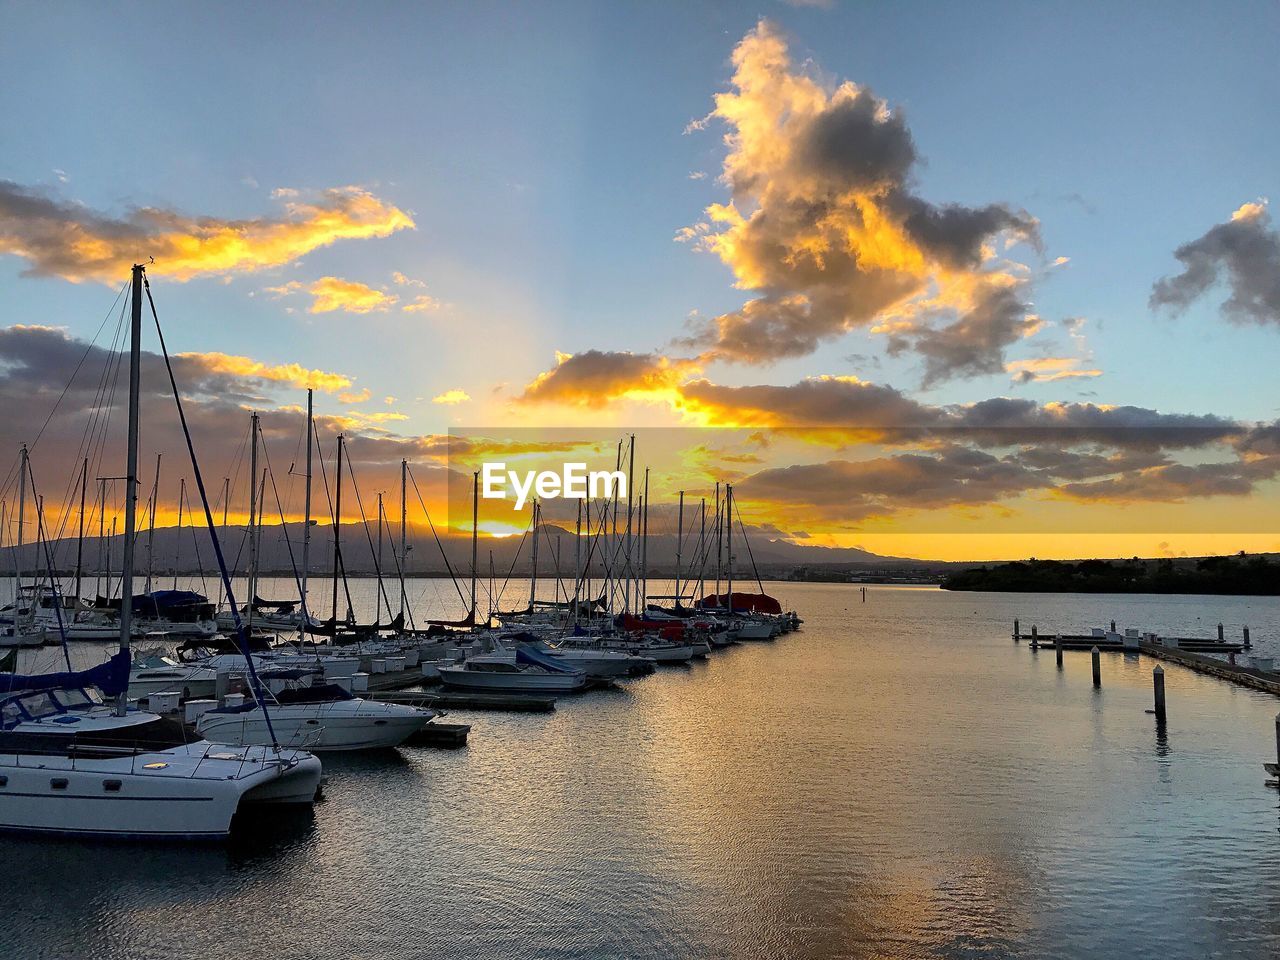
(73, 763)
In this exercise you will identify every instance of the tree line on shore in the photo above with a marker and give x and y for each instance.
(1256, 575)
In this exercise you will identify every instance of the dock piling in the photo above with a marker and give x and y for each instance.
(1096, 655)
(1018, 636)
(1157, 679)
(1057, 649)
(1035, 638)
(1278, 738)
(1247, 645)
(1113, 626)
(1220, 636)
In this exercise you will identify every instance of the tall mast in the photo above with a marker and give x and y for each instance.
(131, 476)
(151, 522)
(728, 533)
(306, 522)
(102, 540)
(253, 523)
(337, 532)
(577, 561)
(719, 541)
(84, 479)
(404, 532)
(533, 577)
(226, 501)
(644, 549)
(377, 566)
(631, 469)
(702, 548)
(679, 545)
(475, 543)
(17, 562)
(182, 497)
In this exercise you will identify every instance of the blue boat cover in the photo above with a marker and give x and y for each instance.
(528, 654)
(112, 678)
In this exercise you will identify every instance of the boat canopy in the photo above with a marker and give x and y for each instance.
(168, 604)
(741, 603)
(112, 678)
(535, 657)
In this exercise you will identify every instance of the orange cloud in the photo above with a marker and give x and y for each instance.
(349, 296)
(292, 374)
(76, 243)
(451, 397)
(595, 376)
(1048, 369)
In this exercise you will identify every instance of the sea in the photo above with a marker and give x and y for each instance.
(896, 779)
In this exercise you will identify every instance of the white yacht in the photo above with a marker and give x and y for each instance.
(521, 671)
(316, 718)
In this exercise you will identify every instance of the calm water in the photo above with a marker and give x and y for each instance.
(897, 779)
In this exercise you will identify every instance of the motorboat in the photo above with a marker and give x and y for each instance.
(524, 670)
(317, 718)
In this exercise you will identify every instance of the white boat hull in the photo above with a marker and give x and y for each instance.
(331, 726)
(192, 795)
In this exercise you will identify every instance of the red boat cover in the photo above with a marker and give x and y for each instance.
(746, 602)
(667, 629)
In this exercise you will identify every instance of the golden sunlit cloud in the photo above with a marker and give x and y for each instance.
(824, 225)
(357, 396)
(1048, 369)
(292, 374)
(421, 304)
(63, 239)
(595, 376)
(451, 397)
(349, 296)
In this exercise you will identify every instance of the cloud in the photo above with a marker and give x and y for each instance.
(349, 296)
(824, 227)
(291, 374)
(422, 304)
(358, 396)
(451, 397)
(1245, 253)
(824, 401)
(1049, 369)
(63, 239)
(596, 376)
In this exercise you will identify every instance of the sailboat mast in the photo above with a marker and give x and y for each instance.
(475, 543)
(102, 540)
(719, 541)
(182, 498)
(577, 561)
(533, 577)
(131, 475)
(702, 548)
(644, 549)
(728, 533)
(679, 545)
(306, 521)
(84, 480)
(404, 532)
(253, 523)
(17, 562)
(337, 532)
(151, 522)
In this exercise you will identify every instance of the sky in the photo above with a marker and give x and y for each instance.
(833, 220)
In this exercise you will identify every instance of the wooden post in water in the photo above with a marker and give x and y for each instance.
(1157, 679)
(1016, 635)
(1278, 738)
(1113, 626)
(1097, 665)
(1247, 645)
(1220, 636)
(1057, 649)
(1035, 638)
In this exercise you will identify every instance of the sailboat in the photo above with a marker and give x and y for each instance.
(73, 763)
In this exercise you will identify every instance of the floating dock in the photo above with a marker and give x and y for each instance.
(444, 700)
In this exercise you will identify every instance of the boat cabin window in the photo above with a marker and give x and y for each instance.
(37, 705)
(77, 699)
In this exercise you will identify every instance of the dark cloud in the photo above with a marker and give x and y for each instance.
(1245, 254)
(974, 343)
(596, 376)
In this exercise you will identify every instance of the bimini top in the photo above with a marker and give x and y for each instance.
(112, 678)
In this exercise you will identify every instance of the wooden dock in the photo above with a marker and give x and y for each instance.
(1268, 682)
(1086, 641)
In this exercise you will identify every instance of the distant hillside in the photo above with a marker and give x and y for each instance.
(1257, 575)
(191, 551)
